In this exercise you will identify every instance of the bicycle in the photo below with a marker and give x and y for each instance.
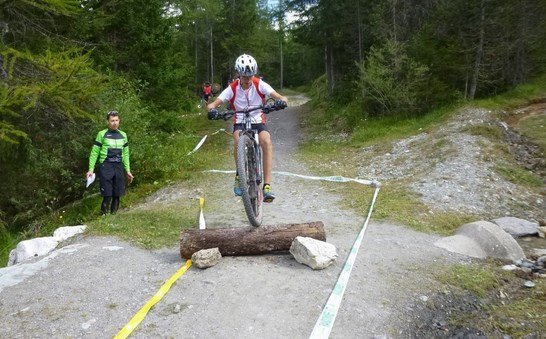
(249, 161)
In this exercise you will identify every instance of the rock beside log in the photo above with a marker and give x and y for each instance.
(248, 240)
(206, 258)
(313, 253)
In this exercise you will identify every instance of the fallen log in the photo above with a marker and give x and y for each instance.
(248, 240)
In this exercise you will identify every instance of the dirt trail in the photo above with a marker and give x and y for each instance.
(96, 285)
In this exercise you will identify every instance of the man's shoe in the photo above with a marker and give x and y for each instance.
(237, 187)
(268, 195)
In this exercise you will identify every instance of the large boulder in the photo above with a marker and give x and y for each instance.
(482, 239)
(313, 253)
(63, 233)
(517, 227)
(32, 248)
(27, 249)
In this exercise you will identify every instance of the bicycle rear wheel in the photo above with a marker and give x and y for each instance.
(247, 167)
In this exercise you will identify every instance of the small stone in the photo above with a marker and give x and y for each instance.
(509, 267)
(88, 324)
(424, 298)
(206, 258)
(529, 284)
(177, 308)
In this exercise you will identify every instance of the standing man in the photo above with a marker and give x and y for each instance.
(111, 149)
(250, 90)
(207, 91)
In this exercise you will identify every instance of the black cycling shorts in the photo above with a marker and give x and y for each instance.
(259, 127)
(112, 179)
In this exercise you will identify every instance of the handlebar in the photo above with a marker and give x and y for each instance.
(267, 108)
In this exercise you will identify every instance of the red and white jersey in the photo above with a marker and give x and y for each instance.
(247, 98)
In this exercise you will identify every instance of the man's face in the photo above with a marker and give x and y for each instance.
(113, 123)
(246, 80)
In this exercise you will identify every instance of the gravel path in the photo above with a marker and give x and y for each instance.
(93, 286)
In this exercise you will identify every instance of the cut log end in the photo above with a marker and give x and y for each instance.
(248, 240)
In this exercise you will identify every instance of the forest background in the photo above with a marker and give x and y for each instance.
(65, 63)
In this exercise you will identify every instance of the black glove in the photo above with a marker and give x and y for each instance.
(280, 104)
(213, 114)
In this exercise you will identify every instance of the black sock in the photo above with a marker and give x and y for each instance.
(115, 205)
(104, 205)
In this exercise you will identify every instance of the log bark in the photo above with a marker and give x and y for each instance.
(248, 240)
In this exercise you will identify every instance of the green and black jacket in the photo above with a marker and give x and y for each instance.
(110, 146)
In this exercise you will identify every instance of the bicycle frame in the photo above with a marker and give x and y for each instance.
(249, 163)
(253, 135)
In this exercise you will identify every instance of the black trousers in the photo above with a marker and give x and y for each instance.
(112, 179)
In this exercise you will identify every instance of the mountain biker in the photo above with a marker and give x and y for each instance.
(111, 149)
(207, 91)
(250, 90)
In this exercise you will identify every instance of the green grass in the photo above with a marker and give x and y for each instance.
(491, 132)
(534, 127)
(518, 175)
(8, 242)
(473, 278)
(147, 228)
(396, 203)
(521, 312)
(516, 97)
(380, 130)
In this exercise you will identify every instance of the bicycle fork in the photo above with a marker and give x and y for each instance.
(258, 152)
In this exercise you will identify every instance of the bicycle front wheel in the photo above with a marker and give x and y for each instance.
(247, 167)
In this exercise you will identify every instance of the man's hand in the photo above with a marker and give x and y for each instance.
(280, 104)
(130, 177)
(88, 174)
(213, 114)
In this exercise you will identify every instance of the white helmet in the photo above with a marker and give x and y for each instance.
(245, 65)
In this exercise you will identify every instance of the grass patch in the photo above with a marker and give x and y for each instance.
(386, 129)
(396, 203)
(8, 242)
(147, 228)
(516, 97)
(518, 175)
(521, 312)
(534, 128)
(475, 279)
(523, 315)
(491, 132)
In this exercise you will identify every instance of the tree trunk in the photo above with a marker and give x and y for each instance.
(359, 25)
(211, 58)
(248, 240)
(479, 52)
(329, 61)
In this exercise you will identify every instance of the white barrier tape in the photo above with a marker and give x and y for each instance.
(334, 178)
(326, 320)
(205, 138)
(198, 145)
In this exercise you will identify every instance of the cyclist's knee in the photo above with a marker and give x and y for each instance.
(265, 137)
